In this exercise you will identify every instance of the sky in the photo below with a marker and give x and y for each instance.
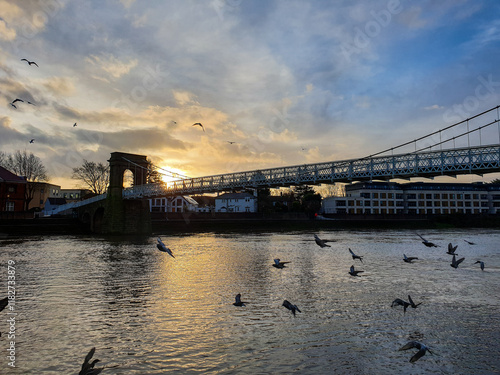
(274, 82)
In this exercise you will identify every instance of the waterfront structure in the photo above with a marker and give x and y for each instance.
(236, 202)
(12, 191)
(41, 192)
(416, 198)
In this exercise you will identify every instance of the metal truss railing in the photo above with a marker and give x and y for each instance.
(470, 160)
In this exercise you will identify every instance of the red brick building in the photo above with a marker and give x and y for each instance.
(12, 190)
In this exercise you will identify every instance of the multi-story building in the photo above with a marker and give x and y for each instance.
(74, 195)
(417, 198)
(41, 192)
(236, 202)
(173, 204)
(12, 190)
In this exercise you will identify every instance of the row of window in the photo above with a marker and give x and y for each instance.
(427, 196)
(367, 203)
(360, 211)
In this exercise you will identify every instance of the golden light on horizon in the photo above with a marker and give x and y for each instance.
(169, 174)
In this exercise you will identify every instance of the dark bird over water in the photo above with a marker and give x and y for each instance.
(320, 242)
(470, 243)
(400, 302)
(413, 304)
(199, 124)
(292, 308)
(451, 249)
(421, 350)
(88, 367)
(426, 243)
(455, 262)
(161, 246)
(409, 259)
(30, 62)
(353, 272)
(3, 303)
(279, 264)
(238, 301)
(354, 256)
(481, 263)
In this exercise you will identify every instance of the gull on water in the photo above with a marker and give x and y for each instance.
(320, 242)
(451, 249)
(481, 263)
(354, 256)
(353, 272)
(409, 259)
(161, 246)
(421, 350)
(291, 307)
(238, 301)
(279, 264)
(455, 262)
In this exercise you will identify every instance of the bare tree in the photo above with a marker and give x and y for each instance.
(94, 175)
(28, 166)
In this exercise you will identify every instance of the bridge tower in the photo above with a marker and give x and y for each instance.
(126, 216)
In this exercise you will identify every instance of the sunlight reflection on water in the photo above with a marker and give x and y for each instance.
(149, 313)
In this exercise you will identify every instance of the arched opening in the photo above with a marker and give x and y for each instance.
(128, 178)
(98, 216)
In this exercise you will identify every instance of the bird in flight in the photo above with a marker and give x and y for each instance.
(32, 141)
(88, 368)
(74, 124)
(451, 249)
(320, 242)
(426, 243)
(409, 259)
(199, 124)
(354, 256)
(353, 272)
(3, 303)
(12, 103)
(238, 301)
(161, 246)
(30, 62)
(291, 307)
(413, 304)
(230, 142)
(455, 262)
(400, 302)
(279, 264)
(481, 264)
(421, 350)
(469, 242)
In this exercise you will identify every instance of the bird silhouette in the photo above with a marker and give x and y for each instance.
(32, 141)
(238, 301)
(320, 242)
(291, 307)
(230, 142)
(451, 249)
(199, 124)
(353, 272)
(470, 243)
(354, 256)
(30, 62)
(279, 264)
(481, 264)
(74, 124)
(455, 262)
(426, 243)
(409, 259)
(88, 367)
(3, 303)
(161, 246)
(422, 349)
(413, 304)
(400, 302)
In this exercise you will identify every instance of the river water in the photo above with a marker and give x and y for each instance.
(149, 313)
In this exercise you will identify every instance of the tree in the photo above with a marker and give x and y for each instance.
(94, 175)
(28, 166)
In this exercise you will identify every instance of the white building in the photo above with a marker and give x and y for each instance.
(417, 198)
(175, 204)
(236, 202)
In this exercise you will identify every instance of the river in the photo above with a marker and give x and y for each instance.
(148, 313)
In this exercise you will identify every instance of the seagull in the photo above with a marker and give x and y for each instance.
(74, 124)
(17, 100)
(470, 243)
(88, 368)
(3, 303)
(238, 301)
(354, 256)
(30, 62)
(31, 103)
(421, 350)
(198, 124)
(426, 243)
(230, 142)
(161, 246)
(400, 302)
(279, 264)
(320, 242)
(291, 307)
(409, 259)
(412, 304)
(32, 141)
(451, 249)
(481, 263)
(352, 272)
(455, 262)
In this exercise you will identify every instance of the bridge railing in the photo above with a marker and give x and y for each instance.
(71, 205)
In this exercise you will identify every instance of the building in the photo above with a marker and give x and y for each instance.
(176, 204)
(41, 192)
(51, 204)
(236, 202)
(12, 191)
(74, 195)
(416, 198)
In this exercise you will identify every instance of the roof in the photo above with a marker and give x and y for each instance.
(8, 176)
(235, 196)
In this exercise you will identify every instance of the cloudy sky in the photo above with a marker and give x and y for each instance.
(289, 82)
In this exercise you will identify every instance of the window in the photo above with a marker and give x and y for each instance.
(9, 206)
(12, 188)
(382, 195)
(412, 196)
(375, 195)
(428, 196)
(467, 196)
(437, 196)
(445, 196)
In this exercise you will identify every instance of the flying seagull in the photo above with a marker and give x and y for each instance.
(320, 242)
(17, 100)
(421, 350)
(279, 264)
(426, 243)
(455, 262)
(451, 249)
(74, 124)
(413, 304)
(353, 272)
(291, 307)
(481, 263)
(88, 368)
(238, 301)
(161, 246)
(400, 302)
(231, 142)
(354, 256)
(30, 62)
(199, 124)
(409, 259)
(470, 243)
(3, 303)
(32, 141)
